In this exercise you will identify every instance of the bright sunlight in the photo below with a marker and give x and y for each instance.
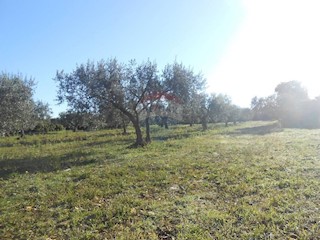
(277, 42)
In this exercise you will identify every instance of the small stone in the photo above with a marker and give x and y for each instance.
(133, 211)
(175, 187)
(29, 208)
(150, 213)
(215, 154)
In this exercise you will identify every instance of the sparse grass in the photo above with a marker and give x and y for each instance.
(251, 181)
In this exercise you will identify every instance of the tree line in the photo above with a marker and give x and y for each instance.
(290, 105)
(139, 93)
(18, 111)
(111, 94)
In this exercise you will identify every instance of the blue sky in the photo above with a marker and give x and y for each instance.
(243, 47)
(40, 37)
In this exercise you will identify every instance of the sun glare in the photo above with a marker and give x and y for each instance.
(279, 41)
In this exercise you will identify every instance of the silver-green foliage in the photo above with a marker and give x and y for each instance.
(16, 110)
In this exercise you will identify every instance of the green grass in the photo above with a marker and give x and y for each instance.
(250, 181)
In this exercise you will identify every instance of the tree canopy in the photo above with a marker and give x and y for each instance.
(290, 104)
(130, 88)
(16, 110)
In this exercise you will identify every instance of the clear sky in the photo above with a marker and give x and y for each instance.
(243, 47)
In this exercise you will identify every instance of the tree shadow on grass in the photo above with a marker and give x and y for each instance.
(108, 141)
(167, 134)
(259, 130)
(44, 164)
(114, 134)
(42, 141)
(172, 136)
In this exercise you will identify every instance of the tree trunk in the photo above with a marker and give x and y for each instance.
(124, 127)
(204, 123)
(139, 140)
(134, 118)
(148, 138)
(165, 122)
(22, 133)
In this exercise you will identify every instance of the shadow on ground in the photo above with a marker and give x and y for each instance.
(259, 130)
(43, 141)
(44, 164)
(174, 136)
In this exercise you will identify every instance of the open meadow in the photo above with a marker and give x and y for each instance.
(249, 181)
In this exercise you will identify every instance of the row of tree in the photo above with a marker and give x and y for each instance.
(290, 104)
(110, 94)
(117, 93)
(18, 110)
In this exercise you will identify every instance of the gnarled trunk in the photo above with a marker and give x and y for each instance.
(139, 139)
(136, 124)
(134, 118)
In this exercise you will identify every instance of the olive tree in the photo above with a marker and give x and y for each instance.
(184, 87)
(133, 89)
(17, 105)
(109, 83)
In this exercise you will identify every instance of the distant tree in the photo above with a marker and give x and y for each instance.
(16, 110)
(162, 110)
(220, 109)
(234, 114)
(184, 86)
(311, 113)
(290, 105)
(42, 111)
(245, 115)
(73, 120)
(290, 97)
(111, 117)
(192, 110)
(213, 108)
(204, 109)
(42, 118)
(75, 90)
(265, 108)
(291, 89)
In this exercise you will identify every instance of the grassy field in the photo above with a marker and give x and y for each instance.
(250, 181)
